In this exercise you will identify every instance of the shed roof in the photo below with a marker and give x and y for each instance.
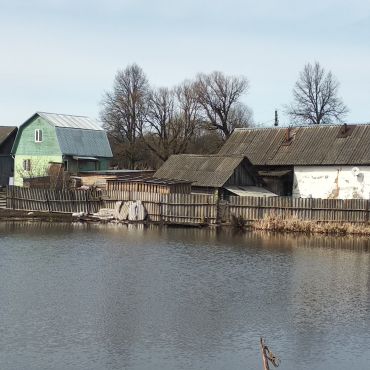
(148, 180)
(201, 170)
(308, 145)
(250, 191)
(5, 132)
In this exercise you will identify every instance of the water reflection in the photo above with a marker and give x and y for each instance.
(92, 296)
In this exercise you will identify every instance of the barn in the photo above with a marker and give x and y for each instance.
(213, 174)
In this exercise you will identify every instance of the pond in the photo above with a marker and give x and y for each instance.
(118, 297)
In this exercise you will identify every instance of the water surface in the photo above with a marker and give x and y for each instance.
(117, 297)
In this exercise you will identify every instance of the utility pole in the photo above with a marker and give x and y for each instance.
(276, 118)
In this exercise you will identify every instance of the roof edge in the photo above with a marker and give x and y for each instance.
(14, 128)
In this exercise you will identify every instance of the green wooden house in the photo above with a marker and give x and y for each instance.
(76, 142)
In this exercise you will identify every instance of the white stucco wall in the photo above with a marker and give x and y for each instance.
(332, 182)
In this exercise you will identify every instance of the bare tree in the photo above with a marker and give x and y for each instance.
(124, 110)
(219, 97)
(240, 116)
(171, 120)
(316, 98)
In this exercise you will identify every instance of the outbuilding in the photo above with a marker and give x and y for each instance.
(7, 137)
(319, 161)
(211, 174)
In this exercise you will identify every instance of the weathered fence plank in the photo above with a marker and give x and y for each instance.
(46, 200)
(177, 208)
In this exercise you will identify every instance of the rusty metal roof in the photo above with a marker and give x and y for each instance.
(201, 170)
(302, 145)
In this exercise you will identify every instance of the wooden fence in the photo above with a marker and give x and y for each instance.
(191, 208)
(65, 201)
(309, 209)
(170, 208)
(200, 208)
(2, 198)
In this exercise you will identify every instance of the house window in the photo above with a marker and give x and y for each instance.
(65, 165)
(27, 165)
(38, 136)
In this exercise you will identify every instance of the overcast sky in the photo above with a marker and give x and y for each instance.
(61, 55)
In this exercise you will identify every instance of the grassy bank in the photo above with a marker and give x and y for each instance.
(274, 223)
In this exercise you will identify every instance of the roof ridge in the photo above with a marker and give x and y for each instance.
(302, 126)
(65, 114)
(208, 155)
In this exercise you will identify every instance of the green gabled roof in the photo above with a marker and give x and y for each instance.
(82, 142)
(76, 135)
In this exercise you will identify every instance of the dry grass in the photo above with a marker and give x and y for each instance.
(275, 223)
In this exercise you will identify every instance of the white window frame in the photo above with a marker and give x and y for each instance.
(27, 165)
(38, 135)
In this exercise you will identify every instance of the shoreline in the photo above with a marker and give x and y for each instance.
(269, 224)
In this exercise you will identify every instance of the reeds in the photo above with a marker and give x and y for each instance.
(275, 223)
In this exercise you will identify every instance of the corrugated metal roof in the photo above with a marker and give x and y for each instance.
(273, 173)
(148, 180)
(83, 143)
(5, 132)
(310, 145)
(66, 120)
(250, 191)
(201, 170)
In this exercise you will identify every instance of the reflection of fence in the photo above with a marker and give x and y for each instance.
(191, 208)
(66, 201)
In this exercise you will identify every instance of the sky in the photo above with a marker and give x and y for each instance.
(61, 56)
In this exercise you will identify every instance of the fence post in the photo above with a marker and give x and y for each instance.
(161, 208)
(367, 212)
(47, 199)
(87, 201)
(8, 197)
(13, 195)
(227, 211)
(218, 210)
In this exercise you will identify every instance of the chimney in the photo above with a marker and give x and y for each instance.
(288, 134)
(345, 130)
